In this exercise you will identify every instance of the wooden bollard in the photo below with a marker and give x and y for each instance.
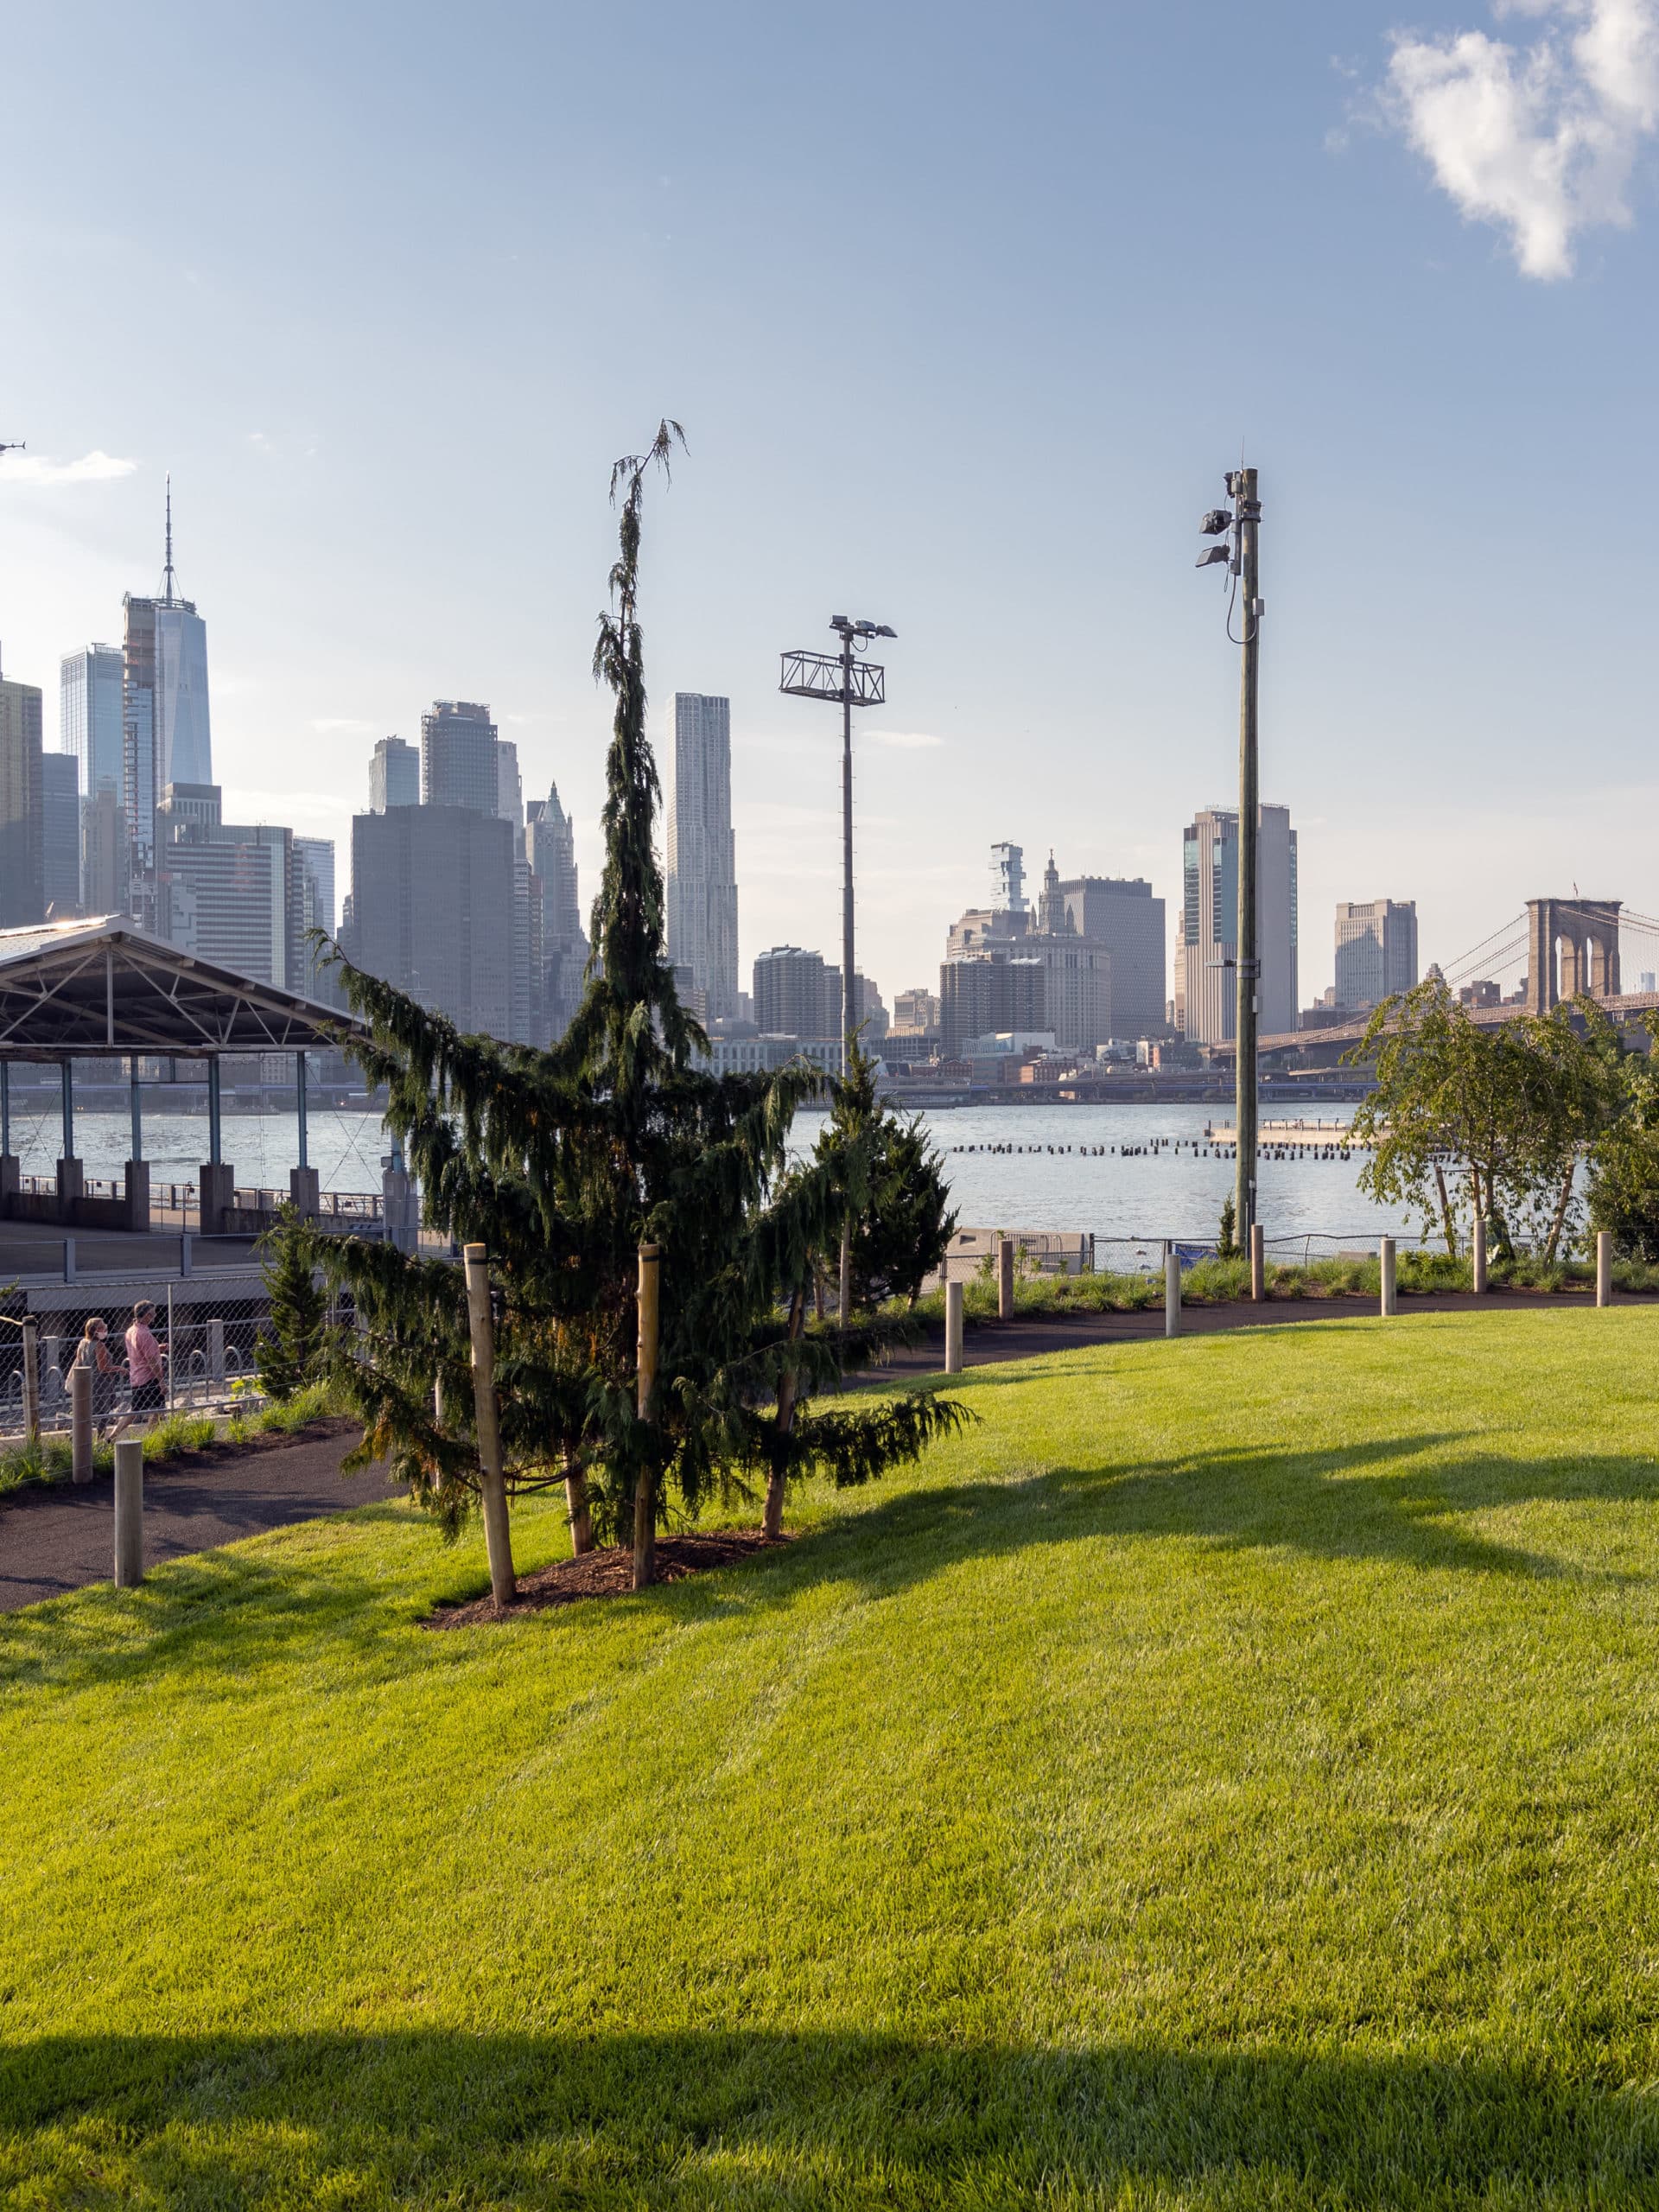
(81, 1423)
(1477, 1270)
(129, 1513)
(1005, 1280)
(1172, 1296)
(1385, 1256)
(1258, 1262)
(953, 1328)
(31, 1379)
(1604, 1267)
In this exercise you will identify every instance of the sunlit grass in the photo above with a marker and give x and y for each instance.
(1224, 1777)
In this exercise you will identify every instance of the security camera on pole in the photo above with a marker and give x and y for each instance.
(851, 681)
(1242, 527)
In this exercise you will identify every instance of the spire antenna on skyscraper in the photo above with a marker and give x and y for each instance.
(167, 596)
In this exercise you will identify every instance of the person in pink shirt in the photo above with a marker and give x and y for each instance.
(146, 1363)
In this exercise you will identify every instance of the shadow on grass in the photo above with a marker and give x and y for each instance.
(721, 2119)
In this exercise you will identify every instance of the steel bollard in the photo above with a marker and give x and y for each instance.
(129, 1512)
(1478, 1268)
(1385, 1256)
(1258, 1262)
(216, 1349)
(1604, 1267)
(1172, 1296)
(953, 1328)
(1005, 1280)
(81, 1423)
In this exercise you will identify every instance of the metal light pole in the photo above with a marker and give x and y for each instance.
(845, 678)
(1242, 558)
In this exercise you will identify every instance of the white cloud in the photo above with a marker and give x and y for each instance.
(1539, 139)
(904, 740)
(36, 468)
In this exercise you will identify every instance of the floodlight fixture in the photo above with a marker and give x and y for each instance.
(1215, 522)
(1211, 555)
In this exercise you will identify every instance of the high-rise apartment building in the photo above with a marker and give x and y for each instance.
(1121, 914)
(990, 994)
(22, 859)
(796, 995)
(166, 735)
(229, 893)
(459, 760)
(550, 848)
(394, 775)
(1376, 951)
(60, 835)
(702, 855)
(91, 686)
(1206, 990)
(433, 897)
(916, 1012)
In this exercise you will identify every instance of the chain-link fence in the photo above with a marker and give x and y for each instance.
(166, 1347)
(1070, 1252)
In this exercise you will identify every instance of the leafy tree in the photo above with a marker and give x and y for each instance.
(902, 1231)
(288, 1355)
(1623, 1181)
(562, 1162)
(1469, 1119)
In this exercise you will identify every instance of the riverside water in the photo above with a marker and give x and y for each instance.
(1123, 1172)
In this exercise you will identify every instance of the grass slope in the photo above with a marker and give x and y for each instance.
(1226, 1777)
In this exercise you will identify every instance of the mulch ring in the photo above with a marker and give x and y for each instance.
(609, 1573)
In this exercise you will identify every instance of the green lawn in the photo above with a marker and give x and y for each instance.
(1229, 1775)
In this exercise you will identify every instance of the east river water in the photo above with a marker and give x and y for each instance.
(1123, 1172)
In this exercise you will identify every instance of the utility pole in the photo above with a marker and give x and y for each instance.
(1241, 558)
(1248, 511)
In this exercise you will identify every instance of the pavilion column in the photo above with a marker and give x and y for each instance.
(10, 1183)
(137, 1197)
(71, 1175)
(218, 1180)
(303, 1187)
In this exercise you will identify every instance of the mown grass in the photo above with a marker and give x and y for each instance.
(1224, 1777)
(51, 1459)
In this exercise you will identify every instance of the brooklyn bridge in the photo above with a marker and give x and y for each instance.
(1557, 950)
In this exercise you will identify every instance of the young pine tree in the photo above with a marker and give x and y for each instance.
(289, 1353)
(562, 1163)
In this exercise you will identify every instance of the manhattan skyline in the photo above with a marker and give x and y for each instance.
(1062, 335)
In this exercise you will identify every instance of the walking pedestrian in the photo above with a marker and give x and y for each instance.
(146, 1363)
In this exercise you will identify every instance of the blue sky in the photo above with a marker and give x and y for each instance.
(964, 311)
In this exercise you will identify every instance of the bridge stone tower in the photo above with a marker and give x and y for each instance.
(1572, 947)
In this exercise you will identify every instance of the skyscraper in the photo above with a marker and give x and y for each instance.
(60, 834)
(1376, 951)
(229, 893)
(432, 909)
(793, 995)
(104, 884)
(22, 860)
(458, 756)
(1206, 990)
(394, 775)
(509, 785)
(315, 856)
(90, 685)
(702, 856)
(165, 731)
(550, 848)
(1122, 914)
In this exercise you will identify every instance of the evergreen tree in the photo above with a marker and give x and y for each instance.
(901, 1232)
(287, 1354)
(562, 1162)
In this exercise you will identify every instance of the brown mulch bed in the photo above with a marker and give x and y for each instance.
(609, 1573)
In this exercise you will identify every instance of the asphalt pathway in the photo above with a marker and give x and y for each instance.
(56, 1537)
